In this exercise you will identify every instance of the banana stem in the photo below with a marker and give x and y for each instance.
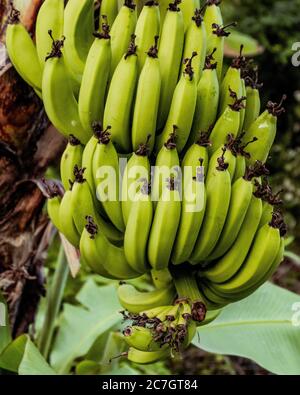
(186, 285)
(53, 302)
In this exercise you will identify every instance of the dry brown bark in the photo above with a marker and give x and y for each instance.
(27, 146)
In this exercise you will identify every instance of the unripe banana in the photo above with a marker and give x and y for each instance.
(121, 32)
(195, 41)
(50, 17)
(71, 156)
(78, 30)
(230, 263)
(166, 166)
(147, 101)
(229, 157)
(140, 338)
(241, 195)
(137, 171)
(188, 8)
(67, 226)
(106, 179)
(243, 110)
(182, 108)
(120, 99)
(161, 278)
(195, 154)
(59, 101)
(218, 192)
(94, 79)
(135, 301)
(147, 27)
(53, 205)
(264, 129)
(147, 357)
(207, 100)
(170, 53)
(212, 15)
(228, 122)
(240, 167)
(164, 227)
(22, 51)
(137, 230)
(253, 102)
(109, 8)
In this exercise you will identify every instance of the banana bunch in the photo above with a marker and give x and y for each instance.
(164, 171)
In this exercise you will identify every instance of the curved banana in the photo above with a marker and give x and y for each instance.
(207, 99)
(240, 167)
(169, 55)
(140, 338)
(67, 225)
(228, 122)
(241, 194)
(182, 108)
(50, 17)
(135, 301)
(71, 156)
(161, 278)
(218, 192)
(106, 179)
(147, 357)
(78, 30)
(195, 154)
(59, 101)
(264, 129)
(252, 110)
(147, 27)
(94, 80)
(109, 8)
(120, 99)
(138, 229)
(230, 263)
(192, 214)
(137, 171)
(121, 32)
(53, 205)
(195, 41)
(164, 227)
(147, 101)
(22, 51)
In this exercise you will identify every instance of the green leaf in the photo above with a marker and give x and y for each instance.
(236, 39)
(33, 363)
(80, 326)
(22, 356)
(294, 257)
(265, 327)
(5, 337)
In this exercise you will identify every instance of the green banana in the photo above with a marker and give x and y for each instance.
(195, 41)
(147, 101)
(262, 254)
(161, 278)
(166, 166)
(53, 205)
(22, 51)
(94, 80)
(50, 17)
(241, 195)
(67, 225)
(71, 156)
(135, 301)
(216, 40)
(109, 8)
(196, 153)
(243, 110)
(140, 338)
(188, 8)
(120, 99)
(212, 15)
(229, 157)
(230, 263)
(106, 179)
(147, 357)
(182, 108)
(264, 129)
(240, 167)
(137, 230)
(164, 227)
(136, 172)
(253, 102)
(59, 101)
(147, 27)
(207, 100)
(192, 214)
(218, 192)
(229, 121)
(169, 55)
(121, 32)
(78, 30)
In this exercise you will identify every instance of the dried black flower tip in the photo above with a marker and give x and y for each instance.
(171, 142)
(238, 104)
(105, 29)
(91, 226)
(74, 140)
(174, 6)
(276, 109)
(50, 188)
(132, 47)
(14, 16)
(222, 166)
(277, 222)
(188, 66)
(79, 174)
(57, 45)
(198, 311)
(144, 148)
(208, 64)
(220, 31)
(153, 51)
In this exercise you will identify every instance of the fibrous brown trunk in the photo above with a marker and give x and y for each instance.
(28, 144)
